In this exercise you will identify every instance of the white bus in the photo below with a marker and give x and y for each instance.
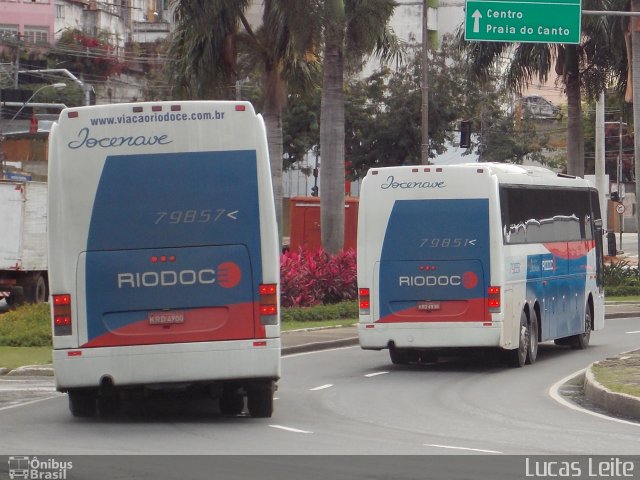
(477, 255)
(164, 254)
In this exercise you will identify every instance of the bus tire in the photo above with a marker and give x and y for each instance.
(532, 350)
(581, 341)
(82, 403)
(108, 405)
(517, 357)
(260, 402)
(231, 404)
(402, 356)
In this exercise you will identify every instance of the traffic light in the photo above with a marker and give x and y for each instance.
(314, 191)
(465, 134)
(615, 196)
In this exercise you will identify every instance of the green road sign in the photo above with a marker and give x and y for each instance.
(534, 21)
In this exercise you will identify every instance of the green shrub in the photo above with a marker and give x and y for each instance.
(26, 326)
(621, 290)
(621, 273)
(321, 312)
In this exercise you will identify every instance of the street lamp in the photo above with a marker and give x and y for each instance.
(57, 86)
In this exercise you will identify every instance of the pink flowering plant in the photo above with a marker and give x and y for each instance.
(310, 278)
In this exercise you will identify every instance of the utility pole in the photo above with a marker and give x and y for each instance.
(424, 151)
(18, 48)
(601, 184)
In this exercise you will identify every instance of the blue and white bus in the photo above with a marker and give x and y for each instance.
(164, 254)
(477, 255)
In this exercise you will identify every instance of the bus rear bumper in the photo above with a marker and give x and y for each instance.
(376, 336)
(148, 365)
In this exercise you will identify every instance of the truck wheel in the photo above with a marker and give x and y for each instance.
(36, 289)
(82, 403)
(260, 402)
(14, 300)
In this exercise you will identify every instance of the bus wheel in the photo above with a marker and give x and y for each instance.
(581, 341)
(402, 356)
(260, 402)
(82, 403)
(532, 350)
(517, 357)
(231, 404)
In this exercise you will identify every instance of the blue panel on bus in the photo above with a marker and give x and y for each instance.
(174, 231)
(176, 199)
(559, 280)
(435, 250)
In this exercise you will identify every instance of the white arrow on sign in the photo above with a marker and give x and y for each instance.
(476, 21)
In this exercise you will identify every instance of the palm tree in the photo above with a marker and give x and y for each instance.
(586, 67)
(359, 27)
(213, 46)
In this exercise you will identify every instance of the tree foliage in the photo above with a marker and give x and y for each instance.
(84, 54)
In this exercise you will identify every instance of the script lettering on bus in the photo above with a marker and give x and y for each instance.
(86, 140)
(392, 183)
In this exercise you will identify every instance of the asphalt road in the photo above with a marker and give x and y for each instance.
(350, 401)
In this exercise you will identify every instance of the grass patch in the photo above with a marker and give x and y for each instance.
(26, 326)
(618, 378)
(628, 298)
(13, 357)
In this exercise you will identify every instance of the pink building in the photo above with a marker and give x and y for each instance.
(33, 20)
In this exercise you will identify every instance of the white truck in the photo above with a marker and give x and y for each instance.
(23, 241)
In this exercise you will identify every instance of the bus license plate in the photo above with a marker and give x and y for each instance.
(166, 318)
(428, 306)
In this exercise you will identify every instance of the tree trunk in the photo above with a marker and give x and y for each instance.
(273, 124)
(332, 176)
(575, 133)
(635, 66)
(273, 103)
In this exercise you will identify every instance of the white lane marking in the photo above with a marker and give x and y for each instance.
(636, 331)
(369, 375)
(451, 447)
(24, 404)
(554, 393)
(321, 387)
(289, 429)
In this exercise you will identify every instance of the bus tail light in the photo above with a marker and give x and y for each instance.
(365, 302)
(268, 303)
(493, 299)
(62, 324)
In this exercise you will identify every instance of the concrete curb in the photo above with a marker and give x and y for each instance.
(32, 371)
(316, 346)
(615, 403)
